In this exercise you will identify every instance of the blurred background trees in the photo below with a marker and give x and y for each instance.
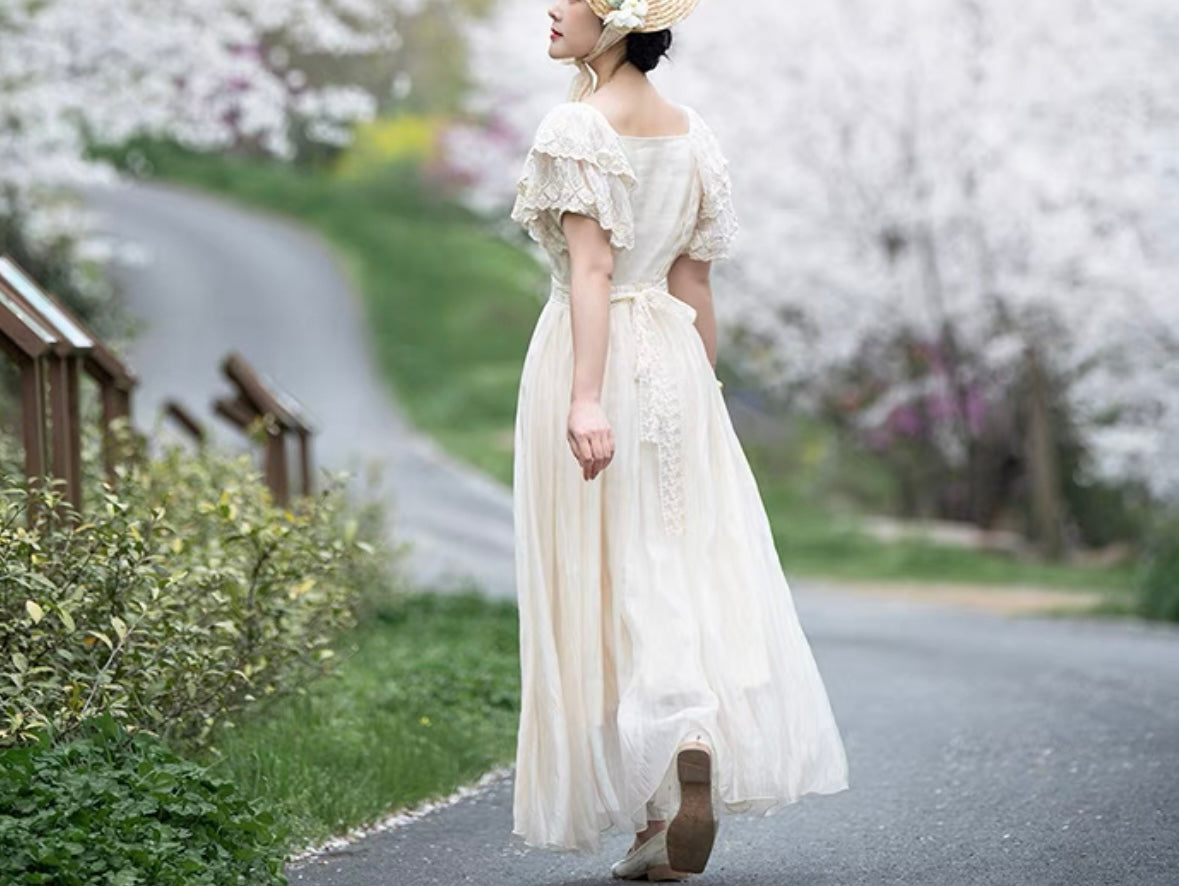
(958, 237)
(288, 78)
(956, 247)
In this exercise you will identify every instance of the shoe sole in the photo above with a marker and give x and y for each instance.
(657, 872)
(691, 833)
(663, 874)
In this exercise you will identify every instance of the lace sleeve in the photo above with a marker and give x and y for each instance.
(716, 222)
(576, 164)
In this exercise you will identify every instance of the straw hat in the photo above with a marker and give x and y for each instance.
(622, 17)
(641, 15)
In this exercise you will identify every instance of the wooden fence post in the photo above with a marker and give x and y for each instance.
(260, 398)
(27, 342)
(176, 411)
(77, 349)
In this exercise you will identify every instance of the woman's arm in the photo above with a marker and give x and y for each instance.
(592, 267)
(689, 280)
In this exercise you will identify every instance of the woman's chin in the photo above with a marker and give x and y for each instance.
(561, 49)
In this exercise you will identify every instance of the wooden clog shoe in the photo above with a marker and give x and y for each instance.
(691, 833)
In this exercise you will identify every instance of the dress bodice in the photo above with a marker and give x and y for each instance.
(663, 201)
(659, 197)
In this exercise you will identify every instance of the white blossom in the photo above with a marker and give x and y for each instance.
(208, 73)
(1000, 171)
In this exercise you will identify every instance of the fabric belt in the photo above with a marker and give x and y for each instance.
(661, 415)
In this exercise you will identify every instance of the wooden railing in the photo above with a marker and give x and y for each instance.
(52, 349)
(282, 418)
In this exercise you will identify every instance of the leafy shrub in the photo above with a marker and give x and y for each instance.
(398, 139)
(109, 807)
(1159, 589)
(173, 602)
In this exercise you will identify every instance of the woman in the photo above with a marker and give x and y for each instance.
(665, 677)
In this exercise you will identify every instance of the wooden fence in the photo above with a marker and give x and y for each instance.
(53, 349)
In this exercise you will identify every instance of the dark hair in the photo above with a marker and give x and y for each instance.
(643, 50)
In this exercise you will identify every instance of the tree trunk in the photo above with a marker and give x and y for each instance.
(1043, 464)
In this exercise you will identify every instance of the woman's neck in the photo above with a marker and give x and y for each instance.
(610, 67)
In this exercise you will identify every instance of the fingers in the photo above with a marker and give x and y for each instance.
(582, 451)
(598, 454)
(590, 437)
(593, 451)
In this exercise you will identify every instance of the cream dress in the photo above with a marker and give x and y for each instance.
(652, 604)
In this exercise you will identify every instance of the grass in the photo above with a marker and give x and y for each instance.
(425, 700)
(833, 552)
(451, 308)
(809, 487)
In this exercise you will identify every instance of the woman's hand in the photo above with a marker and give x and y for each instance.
(590, 437)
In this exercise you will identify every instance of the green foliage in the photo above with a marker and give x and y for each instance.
(474, 678)
(814, 489)
(1158, 592)
(1101, 513)
(388, 140)
(113, 808)
(172, 602)
(425, 698)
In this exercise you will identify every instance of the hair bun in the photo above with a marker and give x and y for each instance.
(645, 49)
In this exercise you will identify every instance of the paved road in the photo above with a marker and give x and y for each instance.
(220, 278)
(983, 750)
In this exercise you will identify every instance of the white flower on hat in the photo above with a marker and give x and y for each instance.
(627, 14)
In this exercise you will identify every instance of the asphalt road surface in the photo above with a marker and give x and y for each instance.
(983, 749)
(218, 278)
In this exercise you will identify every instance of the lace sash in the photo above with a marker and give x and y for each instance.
(661, 416)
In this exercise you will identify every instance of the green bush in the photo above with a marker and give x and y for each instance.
(1159, 588)
(172, 602)
(113, 808)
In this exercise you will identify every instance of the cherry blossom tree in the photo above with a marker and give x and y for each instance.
(953, 215)
(207, 73)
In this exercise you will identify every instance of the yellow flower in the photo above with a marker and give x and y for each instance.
(388, 140)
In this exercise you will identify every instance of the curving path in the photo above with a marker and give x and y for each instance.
(216, 278)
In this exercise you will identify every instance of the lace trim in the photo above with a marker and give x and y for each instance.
(578, 132)
(552, 185)
(661, 414)
(661, 411)
(574, 166)
(716, 224)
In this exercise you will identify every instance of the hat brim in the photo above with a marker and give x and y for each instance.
(660, 13)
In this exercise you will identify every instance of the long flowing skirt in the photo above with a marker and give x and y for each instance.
(652, 604)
